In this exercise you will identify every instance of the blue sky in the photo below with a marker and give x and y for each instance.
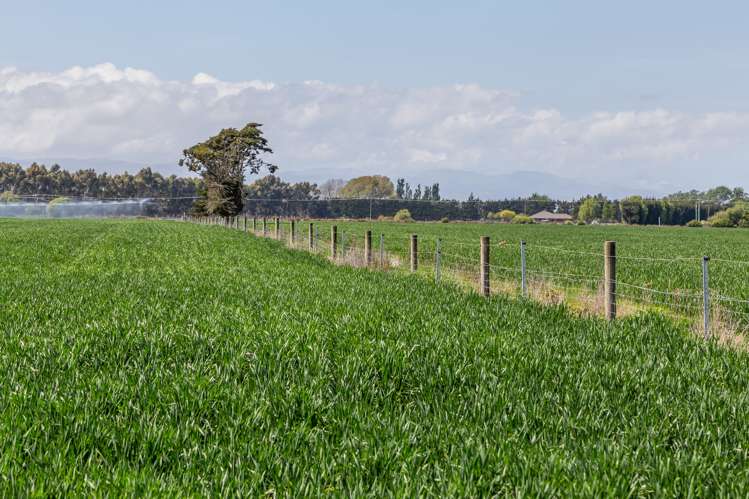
(574, 54)
(575, 58)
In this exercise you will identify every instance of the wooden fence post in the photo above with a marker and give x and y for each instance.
(311, 236)
(414, 253)
(484, 274)
(292, 235)
(368, 248)
(333, 242)
(278, 227)
(609, 276)
(254, 225)
(265, 227)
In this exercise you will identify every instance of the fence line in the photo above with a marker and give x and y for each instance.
(427, 257)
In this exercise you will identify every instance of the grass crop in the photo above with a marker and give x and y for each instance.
(665, 259)
(166, 358)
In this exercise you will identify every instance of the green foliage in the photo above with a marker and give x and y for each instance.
(720, 194)
(596, 207)
(368, 187)
(608, 212)
(734, 216)
(135, 372)
(264, 195)
(634, 210)
(736, 213)
(445, 220)
(38, 179)
(694, 223)
(506, 215)
(403, 216)
(589, 210)
(721, 220)
(223, 160)
(522, 219)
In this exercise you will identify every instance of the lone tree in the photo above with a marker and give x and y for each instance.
(222, 161)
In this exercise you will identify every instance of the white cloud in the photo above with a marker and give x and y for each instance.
(104, 111)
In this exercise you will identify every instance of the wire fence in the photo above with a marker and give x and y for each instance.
(524, 271)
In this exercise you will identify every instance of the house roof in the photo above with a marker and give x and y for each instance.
(547, 215)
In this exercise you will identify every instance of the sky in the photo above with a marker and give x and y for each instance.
(650, 95)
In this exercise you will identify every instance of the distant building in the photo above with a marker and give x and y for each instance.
(548, 217)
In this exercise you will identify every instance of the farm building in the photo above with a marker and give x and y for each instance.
(548, 217)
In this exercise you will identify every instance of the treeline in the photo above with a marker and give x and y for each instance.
(631, 211)
(403, 190)
(636, 210)
(362, 197)
(419, 209)
(38, 180)
(270, 196)
(170, 195)
(364, 208)
(375, 196)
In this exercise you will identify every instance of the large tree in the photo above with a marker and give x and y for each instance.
(370, 186)
(633, 210)
(223, 160)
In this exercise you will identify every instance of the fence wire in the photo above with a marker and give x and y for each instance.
(459, 261)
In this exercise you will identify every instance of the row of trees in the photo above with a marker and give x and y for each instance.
(637, 210)
(269, 195)
(403, 190)
(720, 194)
(378, 187)
(40, 181)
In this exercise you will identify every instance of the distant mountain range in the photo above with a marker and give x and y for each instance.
(455, 184)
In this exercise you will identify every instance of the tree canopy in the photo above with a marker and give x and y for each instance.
(223, 160)
(369, 186)
(403, 190)
(38, 180)
(272, 187)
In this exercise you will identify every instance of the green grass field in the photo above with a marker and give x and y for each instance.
(660, 259)
(177, 359)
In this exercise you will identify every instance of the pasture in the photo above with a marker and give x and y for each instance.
(658, 268)
(180, 359)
